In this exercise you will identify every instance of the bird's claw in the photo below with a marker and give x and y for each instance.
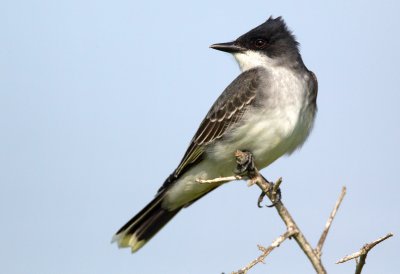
(275, 194)
(244, 163)
(260, 199)
(276, 197)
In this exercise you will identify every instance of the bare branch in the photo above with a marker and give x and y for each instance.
(328, 224)
(364, 249)
(245, 159)
(220, 180)
(266, 251)
(299, 237)
(247, 169)
(362, 254)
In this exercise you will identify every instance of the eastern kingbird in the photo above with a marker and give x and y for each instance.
(268, 110)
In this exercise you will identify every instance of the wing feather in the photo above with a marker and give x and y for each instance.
(226, 111)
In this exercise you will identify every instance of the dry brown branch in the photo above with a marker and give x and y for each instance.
(265, 251)
(362, 254)
(245, 165)
(318, 249)
(247, 169)
(291, 225)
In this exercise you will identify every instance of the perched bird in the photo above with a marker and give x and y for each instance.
(268, 110)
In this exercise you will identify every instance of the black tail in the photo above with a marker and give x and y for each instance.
(141, 228)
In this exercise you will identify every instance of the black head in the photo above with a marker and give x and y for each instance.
(271, 38)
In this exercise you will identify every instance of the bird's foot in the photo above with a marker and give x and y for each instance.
(274, 192)
(245, 166)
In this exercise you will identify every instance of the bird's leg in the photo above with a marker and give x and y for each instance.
(245, 166)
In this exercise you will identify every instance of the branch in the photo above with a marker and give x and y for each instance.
(246, 167)
(362, 254)
(299, 236)
(318, 249)
(278, 241)
(246, 159)
(220, 180)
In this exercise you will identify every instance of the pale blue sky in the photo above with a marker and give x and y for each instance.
(99, 99)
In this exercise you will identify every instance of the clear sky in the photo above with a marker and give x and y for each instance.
(99, 100)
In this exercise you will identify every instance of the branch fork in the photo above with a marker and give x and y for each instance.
(362, 253)
(246, 170)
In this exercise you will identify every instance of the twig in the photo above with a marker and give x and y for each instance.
(265, 251)
(318, 249)
(220, 180)
(362, 254)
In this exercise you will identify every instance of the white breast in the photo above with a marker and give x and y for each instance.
(280, 127)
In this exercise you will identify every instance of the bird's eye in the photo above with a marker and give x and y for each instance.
(260, 43)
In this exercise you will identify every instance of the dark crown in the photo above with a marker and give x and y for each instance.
(272, 37)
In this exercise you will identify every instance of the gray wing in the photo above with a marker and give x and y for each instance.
(225, 112)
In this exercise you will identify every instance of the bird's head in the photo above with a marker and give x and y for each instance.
(268, 44)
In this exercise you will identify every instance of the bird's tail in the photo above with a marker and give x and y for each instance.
(142, 227)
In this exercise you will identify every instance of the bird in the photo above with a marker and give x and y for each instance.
(268, 110)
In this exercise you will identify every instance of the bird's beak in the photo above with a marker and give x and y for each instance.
(230, 47)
